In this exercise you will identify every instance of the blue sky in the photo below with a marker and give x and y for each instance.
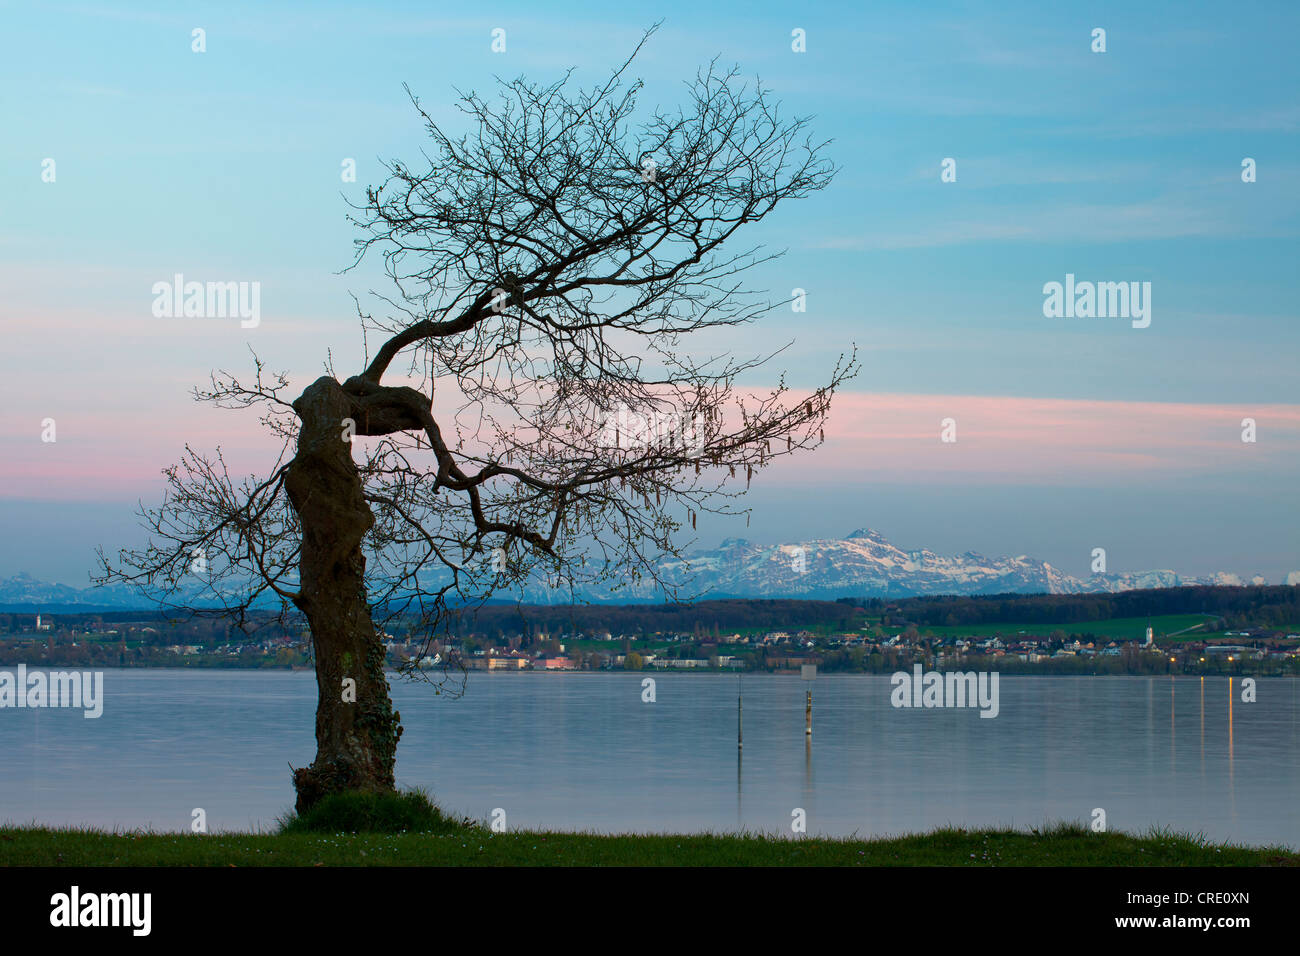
(1122, 166)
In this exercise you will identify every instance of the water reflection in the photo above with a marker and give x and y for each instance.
(740, 743)
(740, 807)
(1202, 728)
(584, 752)
(1232, 763)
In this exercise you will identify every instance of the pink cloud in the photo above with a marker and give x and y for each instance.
(869, 437)
(1042, 440)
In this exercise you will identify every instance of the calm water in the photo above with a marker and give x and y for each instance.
(582, 751)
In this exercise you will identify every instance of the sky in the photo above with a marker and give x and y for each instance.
(1072, 433)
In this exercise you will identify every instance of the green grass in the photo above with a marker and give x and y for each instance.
(407, 811)
(1130, 628)
(1058, 845)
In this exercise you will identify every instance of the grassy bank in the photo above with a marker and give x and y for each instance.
(1063, 845)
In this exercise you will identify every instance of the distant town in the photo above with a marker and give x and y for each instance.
(1251, 634)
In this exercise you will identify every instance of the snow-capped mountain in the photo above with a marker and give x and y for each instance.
(867, 564)
(23, 590)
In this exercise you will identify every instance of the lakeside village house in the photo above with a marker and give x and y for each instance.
(782, 650)
(493, 659)
(802, 647)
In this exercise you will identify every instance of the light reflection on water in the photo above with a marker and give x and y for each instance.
(583, 751)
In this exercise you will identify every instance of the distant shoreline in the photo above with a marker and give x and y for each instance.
(644, 672)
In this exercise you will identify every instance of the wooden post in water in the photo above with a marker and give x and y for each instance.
(740, 713)
(808, 672)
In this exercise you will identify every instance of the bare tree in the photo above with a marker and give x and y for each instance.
(536, 414)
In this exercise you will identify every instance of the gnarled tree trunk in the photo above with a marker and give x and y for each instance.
(356, 739)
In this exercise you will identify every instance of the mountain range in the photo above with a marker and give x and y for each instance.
(864, 564)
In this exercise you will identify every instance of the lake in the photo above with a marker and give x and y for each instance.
(584, 751)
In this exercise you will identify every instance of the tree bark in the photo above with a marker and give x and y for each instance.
(356, 739)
